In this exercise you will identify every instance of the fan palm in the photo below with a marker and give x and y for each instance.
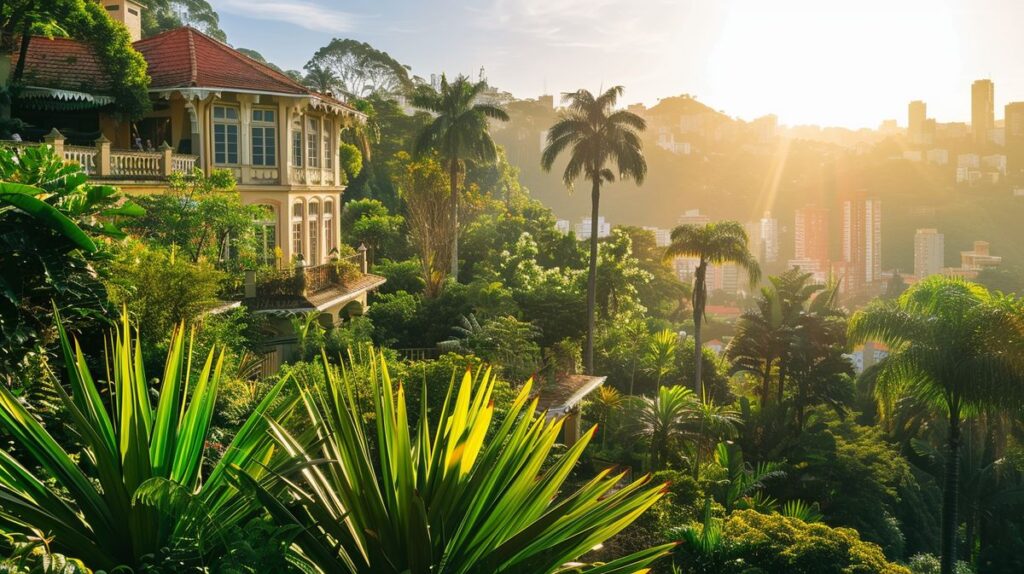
(459, 132)
(322, 79)
(711, 244)
(957, 347)
(665, 420)
(465, 497)
(111, 508)
(598, 137)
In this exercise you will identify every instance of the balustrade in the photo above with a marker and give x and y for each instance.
(135, 164)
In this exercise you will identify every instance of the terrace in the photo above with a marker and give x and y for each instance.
(305, 288)
(102, 162)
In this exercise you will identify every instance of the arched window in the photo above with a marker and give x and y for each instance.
(329, 225)
(314, 232)
(266, 234)
(298, 210)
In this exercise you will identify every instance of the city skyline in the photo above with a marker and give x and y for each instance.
(740, 56)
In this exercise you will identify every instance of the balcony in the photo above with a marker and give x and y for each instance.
(102, 162)
(315, 287)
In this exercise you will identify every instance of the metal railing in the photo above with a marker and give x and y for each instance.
(320, 277)
(305, 281)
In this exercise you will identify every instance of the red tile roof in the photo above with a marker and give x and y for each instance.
(179, 58)
(62, 64)
(187, 58)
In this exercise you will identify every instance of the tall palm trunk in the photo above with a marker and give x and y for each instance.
(783, 372)
(766, 381)
(595, 200)
(700, 295)
(950, 493)
(453, 175)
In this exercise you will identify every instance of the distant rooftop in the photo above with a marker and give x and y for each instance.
(566, 392)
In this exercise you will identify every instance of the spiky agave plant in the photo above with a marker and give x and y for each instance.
(108, 505)
(463, 497)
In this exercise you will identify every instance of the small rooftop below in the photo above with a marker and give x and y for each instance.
(566, 391)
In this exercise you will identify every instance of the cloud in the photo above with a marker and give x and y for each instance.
(309, 15)
(602, 25)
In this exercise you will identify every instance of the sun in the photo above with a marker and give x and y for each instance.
(850, 64)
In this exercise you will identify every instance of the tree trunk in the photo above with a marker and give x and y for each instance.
(970, 521)
(782, 382)
(595, 200)
(453, 174)
(26, 37)
(950, 495)
(766, 382)
(699, 301)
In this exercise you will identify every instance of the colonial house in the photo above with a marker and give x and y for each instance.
(212, 108)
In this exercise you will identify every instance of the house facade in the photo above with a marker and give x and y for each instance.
(212, 108)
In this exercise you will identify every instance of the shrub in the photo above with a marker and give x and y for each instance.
(776, 544)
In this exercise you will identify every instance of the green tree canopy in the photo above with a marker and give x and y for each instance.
(162, 15)
(357, 69)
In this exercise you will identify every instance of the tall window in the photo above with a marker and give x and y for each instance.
(313, 142)
(297, 143)
(297, 212)
(266, 234)
(314, 233)
(329, 225)
(225, 135)
(329, 150)
(264, 137)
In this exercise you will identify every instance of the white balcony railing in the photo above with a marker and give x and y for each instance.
(83, 156)
(135, 164)
(103, 162)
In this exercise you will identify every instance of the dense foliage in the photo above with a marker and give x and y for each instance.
(828, 435)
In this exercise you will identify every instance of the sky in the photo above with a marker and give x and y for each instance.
(825, 62)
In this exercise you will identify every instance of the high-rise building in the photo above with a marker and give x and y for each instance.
(974, 262)
(929, 253)
(604, 229)
(810, 231)
(763, 238)
(983, 101)
(693, 217)
(917, 116)
(662, 237)
(1014, 135)
(861, 240)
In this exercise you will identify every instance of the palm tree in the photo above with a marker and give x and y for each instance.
(322, 79)
(956, 347)
(606, 404)
(458, 133)
(661, 354)
(665, 421)
(711, 244)
(599, 136)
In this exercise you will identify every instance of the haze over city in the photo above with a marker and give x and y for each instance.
(809, 62)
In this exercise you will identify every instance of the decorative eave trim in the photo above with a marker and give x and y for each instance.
(38, 92)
